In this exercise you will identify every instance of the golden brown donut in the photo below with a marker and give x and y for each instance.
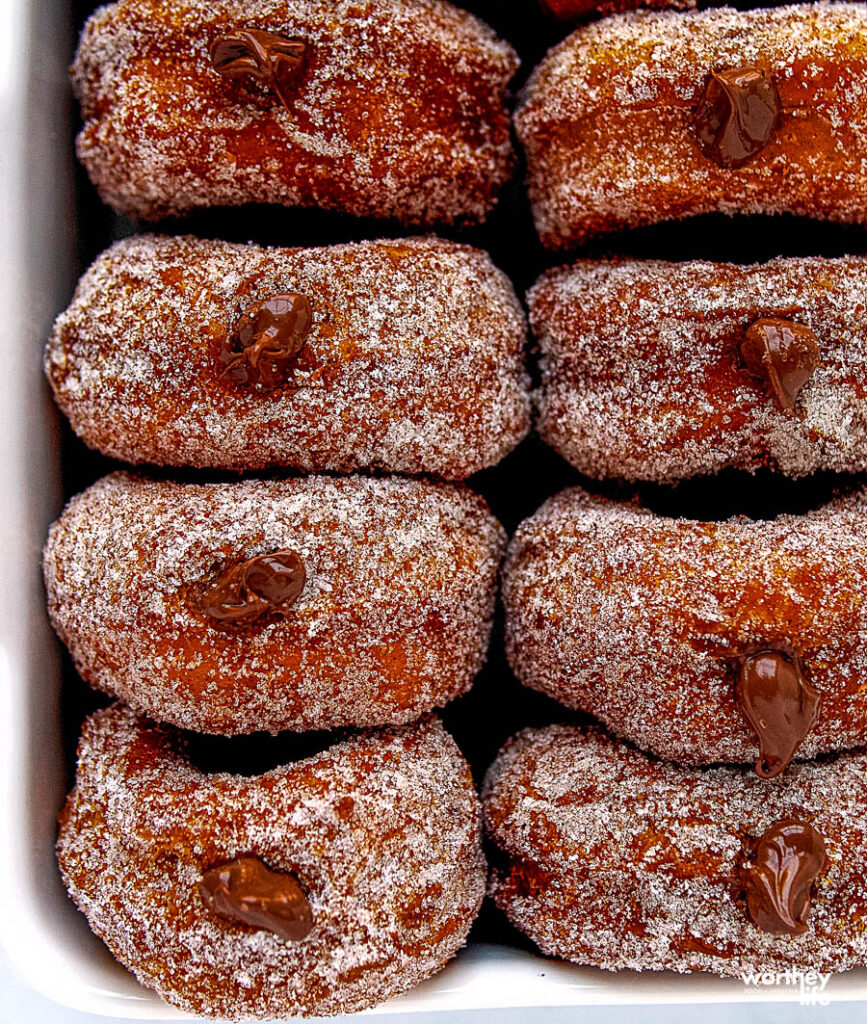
(410, 358)
(612, 136)
(381, 833)
(168, 596)
(616, 860)
(644, 374)
(388, 109)
(654, 625)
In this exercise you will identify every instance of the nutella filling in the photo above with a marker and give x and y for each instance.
(246, 891)
(778, 882)
(737, 115)
(246, 592)
(273, 60)
(263, 347)
(779, 704)
(784, 354)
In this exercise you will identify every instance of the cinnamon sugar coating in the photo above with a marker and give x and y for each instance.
(414, 362)
(398, 110)
(616, 860)
(393, 620)
(606, 119)
(643, 378)
(382, 832)
(638, 618)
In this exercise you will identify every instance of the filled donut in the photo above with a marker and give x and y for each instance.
(392, 109)
(613, 859)
(404, 356)
(649, 116)
(320, 887)
(268, 605)
(700, 642)
(663, 371)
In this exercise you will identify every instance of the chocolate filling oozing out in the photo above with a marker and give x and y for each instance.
(778, 881)
(245, 592)
(779, 704)
(271, 59)
(737, 115)
(263, 347)
(246, 891)
(783, 353)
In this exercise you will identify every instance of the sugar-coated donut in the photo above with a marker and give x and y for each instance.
(617, 860)
(646, 374)
(649, 116)
(408, 356)
(376, 841)
(388, 109)
(683, 636)
(267, 605)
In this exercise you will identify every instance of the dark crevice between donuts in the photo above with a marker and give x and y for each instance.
(255, 753)
(760, 496)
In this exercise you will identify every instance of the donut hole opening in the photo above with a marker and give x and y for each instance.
(255, 753)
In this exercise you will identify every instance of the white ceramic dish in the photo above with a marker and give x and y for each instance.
(42, 933)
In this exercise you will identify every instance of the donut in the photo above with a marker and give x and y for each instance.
(313, 603)
(616, 860)
(700, 642)
(663, 371)
(321, 887)
(404, 356)
(735, 112)
(391, 109)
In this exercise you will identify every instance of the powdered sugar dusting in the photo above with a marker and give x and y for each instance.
(414, 362)
(620, 861)
(399, 111)
(634, 617)
(642, 376)
(606, 119)
(394, 618)
(382, 832)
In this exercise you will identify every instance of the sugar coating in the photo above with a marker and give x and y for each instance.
(399, 111)
(394, 618)
(606, 119)
(617, 860)
(642, 375)
(382, 831)
(414, 362)
(636, 617)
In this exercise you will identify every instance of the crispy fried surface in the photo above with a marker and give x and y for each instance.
(394, 618)
(382, 832)
(606, 119)
(616, 860)
(398, 113)
(414, 362)
(634, 617)
(642, 375)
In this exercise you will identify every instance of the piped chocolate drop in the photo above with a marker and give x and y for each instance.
(779, 704)
(251, 589)
(782, 353)
(778, 882)
(737, 115)
(273, 60)
(246, 891)
(263, 346)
